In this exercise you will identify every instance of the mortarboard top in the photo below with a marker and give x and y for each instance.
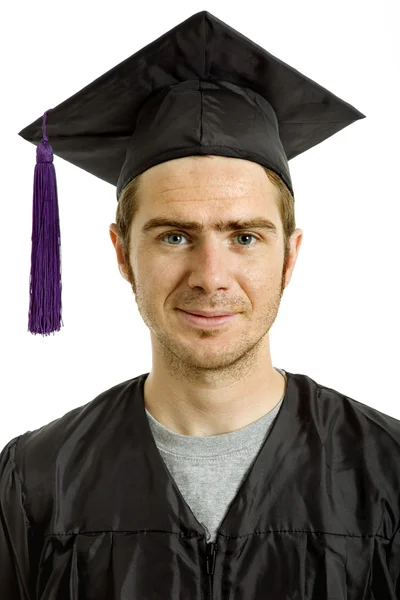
(200, 88)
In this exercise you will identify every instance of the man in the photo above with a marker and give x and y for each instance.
(215, 475)
(202, 371)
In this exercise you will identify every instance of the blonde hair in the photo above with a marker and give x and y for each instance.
(129, 202)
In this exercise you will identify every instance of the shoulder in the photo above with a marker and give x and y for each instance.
(35, 455)
(353, 433)
(359, 444)
(345, 425)
(344, 409)
(42, 442)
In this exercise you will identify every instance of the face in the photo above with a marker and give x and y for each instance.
(239, 270)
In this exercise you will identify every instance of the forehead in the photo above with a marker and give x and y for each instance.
(217, 193)
(205, 178)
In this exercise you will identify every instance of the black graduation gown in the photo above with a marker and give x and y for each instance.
(89, 511)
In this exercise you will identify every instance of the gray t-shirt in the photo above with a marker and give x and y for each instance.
(210, 470)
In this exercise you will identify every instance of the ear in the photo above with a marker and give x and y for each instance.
(119, 250)
(295, 242)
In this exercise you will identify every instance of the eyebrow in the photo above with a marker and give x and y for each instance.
(198, 227)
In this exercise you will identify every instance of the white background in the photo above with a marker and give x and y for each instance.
(339, 318)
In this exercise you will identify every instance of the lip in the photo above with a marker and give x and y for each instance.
(205, 322)
(204, 313)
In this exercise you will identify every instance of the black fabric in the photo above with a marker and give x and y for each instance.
(90, 511)
(201, 88)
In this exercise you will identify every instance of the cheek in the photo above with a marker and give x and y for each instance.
(263, 273)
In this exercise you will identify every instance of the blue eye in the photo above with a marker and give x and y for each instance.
(178, 233)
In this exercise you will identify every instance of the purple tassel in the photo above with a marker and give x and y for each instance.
(45, 277)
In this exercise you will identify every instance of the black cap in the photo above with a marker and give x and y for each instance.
(201, 88)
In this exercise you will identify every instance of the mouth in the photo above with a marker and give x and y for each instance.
(203, 313)
(205, 322)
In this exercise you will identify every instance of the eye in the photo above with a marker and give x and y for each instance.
(178, 233)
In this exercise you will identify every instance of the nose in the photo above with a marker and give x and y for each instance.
(209, 266)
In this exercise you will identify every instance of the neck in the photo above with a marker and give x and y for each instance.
(204, 409)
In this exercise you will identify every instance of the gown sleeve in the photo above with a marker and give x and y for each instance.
(394, 563)
(14, 529)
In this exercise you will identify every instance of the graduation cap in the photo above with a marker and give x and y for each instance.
(201, 88)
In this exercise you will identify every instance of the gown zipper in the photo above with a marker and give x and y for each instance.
(211, 549)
